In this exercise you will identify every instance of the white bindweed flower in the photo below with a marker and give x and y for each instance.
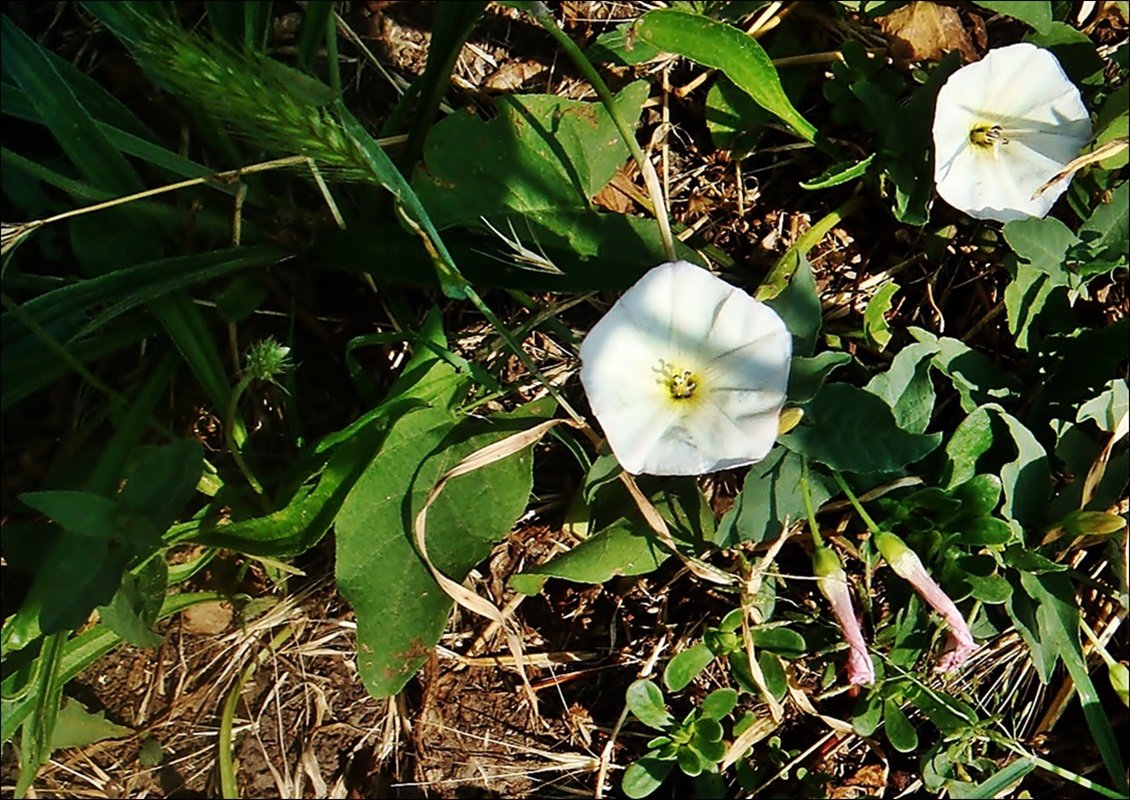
(687, 374)
(1003, 127)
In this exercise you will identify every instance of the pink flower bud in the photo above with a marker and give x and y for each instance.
(833, 585)
(907, 565)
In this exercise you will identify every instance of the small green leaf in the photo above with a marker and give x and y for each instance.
(691, 762)
(135, 606)
(628, 546)
(1108, 409)
(1027, 478)
(773, 671)
(970, 440)
(976, 379)
(807, 375)
(719, 703)
(868, 714)
(990, 589)
(645, 700)
(710, 750)
(875, 325)
(77, 727)
(643, 777)
(1107, 231)
(686, 666)
(839, 173)
(782, 641)
(724, 47)
(708, 729)
(900, 733)
(770, 498)
(979, 496)
(1057, 618)
(986, 531)
(1093, 523)
(150, 754)
(798, 305)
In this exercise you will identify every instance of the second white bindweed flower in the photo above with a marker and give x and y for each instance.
(687, 374)
(1003, 127)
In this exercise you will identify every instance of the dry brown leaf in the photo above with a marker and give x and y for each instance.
(925, 32)
(513, 75)
(208, 618)
(613, 198)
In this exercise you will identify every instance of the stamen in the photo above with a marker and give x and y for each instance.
(680, 384)
(988, 136)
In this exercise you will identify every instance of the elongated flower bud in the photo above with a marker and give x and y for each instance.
(906, 563)
(833, 585)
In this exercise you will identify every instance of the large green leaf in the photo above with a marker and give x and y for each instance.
(1037, 13)
(771, 498)
(976, 379)
(1041, 242)
(852, 430)
(401, 611)
(426, 380)
(724, 47)
(906, 386)
(1027, 478)
(1107, 231)
(542, 153)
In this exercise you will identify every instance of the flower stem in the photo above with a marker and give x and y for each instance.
(229, 434)
(870, 523)
(650, 177)
(806, 495)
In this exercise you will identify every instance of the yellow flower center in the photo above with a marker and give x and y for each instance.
(680, 383)
(987, 137)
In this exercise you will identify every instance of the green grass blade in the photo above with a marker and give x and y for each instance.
(45, 711)
(318, 24)
(993, 786)
(453, 24)
(454, 285)
(68, 121)
(257, 22)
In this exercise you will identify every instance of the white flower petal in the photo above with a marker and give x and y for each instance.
(640, 426)
(1043, 124)
(680, 318)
